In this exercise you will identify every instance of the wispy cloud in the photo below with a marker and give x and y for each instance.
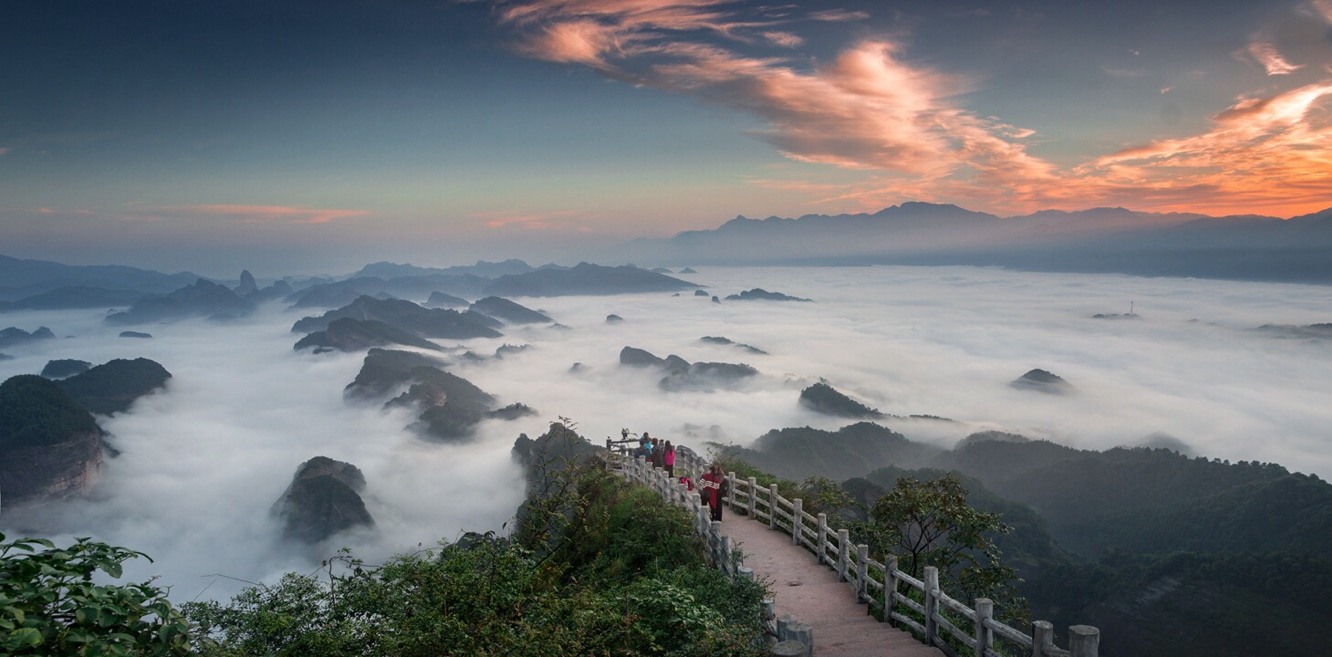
(784, 39)
(4, 150)
(532, 220)
(260, 214)
(1266, 54)
(837, 15)
(1322, 8)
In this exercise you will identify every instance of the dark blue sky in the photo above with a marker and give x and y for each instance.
(327, 134)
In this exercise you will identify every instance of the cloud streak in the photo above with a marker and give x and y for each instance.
(262, 214)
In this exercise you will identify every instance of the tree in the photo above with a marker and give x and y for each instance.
(50, 606)
(930, 524)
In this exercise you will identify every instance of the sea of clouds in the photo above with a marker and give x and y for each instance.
(202, 462)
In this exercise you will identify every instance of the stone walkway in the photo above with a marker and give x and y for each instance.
(810, 592)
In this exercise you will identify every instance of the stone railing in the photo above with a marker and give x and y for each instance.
(881, 582)
(935, 612)
(793, 638)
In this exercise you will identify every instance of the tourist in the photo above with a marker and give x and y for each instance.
(658, 454)
(715, 489)
(668, 459)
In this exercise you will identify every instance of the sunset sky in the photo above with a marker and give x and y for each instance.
(323, 135)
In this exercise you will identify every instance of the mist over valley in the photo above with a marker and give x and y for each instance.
(195, 467)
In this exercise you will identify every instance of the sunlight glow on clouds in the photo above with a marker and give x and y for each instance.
(873, 109)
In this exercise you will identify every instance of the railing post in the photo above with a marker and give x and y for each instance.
(931, 605)
(725, 551)
(730, 490)
(772, 506)
(753, 485)
(862, 573)
(843, 542)
(714, 531)
(796, 506)
(822, 542)
(696, 503)
(889, 586)
(1083, 641)
(984, 635)
(1042, 635)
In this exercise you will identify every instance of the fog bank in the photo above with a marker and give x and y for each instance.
(202, 461)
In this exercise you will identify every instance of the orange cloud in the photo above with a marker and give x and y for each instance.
(1267, 55)
(263, 214)
(873, 110)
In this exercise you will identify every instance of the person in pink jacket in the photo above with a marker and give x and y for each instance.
(668, 459)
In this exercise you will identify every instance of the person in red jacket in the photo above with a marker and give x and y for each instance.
(715, 489)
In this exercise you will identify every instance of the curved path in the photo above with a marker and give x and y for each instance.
(810, 592)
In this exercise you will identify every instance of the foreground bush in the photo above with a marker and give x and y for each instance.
(620, 573)
(50, 606)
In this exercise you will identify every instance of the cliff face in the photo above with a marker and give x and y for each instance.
(322, 500)
(50, 446)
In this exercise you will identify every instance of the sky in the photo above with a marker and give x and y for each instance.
(201, 462)
(323, 135)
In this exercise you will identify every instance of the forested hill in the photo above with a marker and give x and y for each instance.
(1167, 554)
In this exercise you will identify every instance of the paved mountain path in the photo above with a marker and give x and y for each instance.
(810, 592)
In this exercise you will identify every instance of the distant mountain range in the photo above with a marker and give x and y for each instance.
(20, 279)
(1249, 247)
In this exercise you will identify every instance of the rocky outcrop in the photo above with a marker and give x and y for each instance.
(322, 500)
(50, 445)
(585, 278)
(510, 350)
(687, 270)
(614, 319)
(635, 357)
(700, 293)
(760, 294)
(451, 406)
(202, 299)
(64, 367)
(714, 339)
(111, 387)
(683, 375)
(512, 412)
(823, 398)
(1043, 381)
(509, 311)
(355, 335)
(247, 285)
(548, 454)
(14, 336)
(441, 300)
(406, 316)
(385, 370)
